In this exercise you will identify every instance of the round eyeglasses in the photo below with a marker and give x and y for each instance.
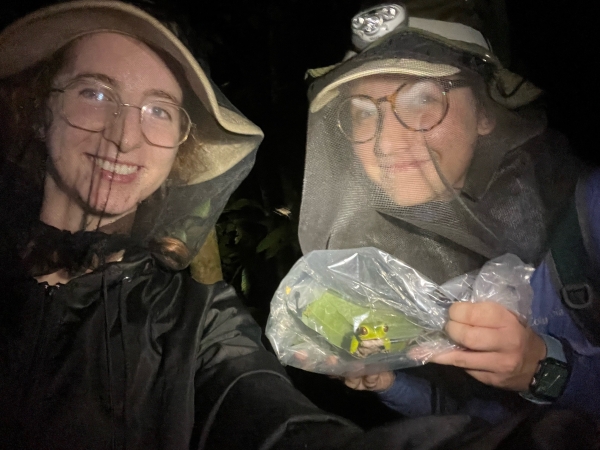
(419, 105)
(93, 106)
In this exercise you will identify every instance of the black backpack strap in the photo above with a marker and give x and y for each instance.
(572, 266)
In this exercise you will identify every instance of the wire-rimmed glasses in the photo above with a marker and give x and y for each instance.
(93, 106)
(419, 105)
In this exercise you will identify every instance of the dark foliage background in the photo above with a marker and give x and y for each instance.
(258, 53)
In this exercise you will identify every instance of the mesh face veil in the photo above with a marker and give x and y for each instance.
(408, 152)
(125, 136)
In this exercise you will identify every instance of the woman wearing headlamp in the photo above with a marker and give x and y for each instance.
(424, 146)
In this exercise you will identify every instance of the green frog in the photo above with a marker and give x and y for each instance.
(359, 330)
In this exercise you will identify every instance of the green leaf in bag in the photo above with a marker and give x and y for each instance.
(357, 329)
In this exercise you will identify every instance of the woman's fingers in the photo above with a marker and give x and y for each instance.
(354, 383)
(510, 368)
(375, 382)
(484, 314)
(482, 361)
(481, 338)
(370, 381)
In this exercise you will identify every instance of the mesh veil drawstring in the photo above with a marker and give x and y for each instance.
(104, 300)
(438, 169)
(457, 196)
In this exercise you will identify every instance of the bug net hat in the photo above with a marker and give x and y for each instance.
(415, 147)
(219, 152)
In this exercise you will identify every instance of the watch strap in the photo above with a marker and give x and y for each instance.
(551, 377)
(554, 348)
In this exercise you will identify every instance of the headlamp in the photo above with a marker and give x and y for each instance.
(368, 26)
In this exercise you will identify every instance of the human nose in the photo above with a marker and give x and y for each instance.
(391, 135)
(125, 131)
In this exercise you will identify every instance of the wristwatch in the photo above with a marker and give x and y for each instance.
(550, 379)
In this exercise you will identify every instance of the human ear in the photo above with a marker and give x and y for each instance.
(40, 132)
(485, 123)
(42, 121)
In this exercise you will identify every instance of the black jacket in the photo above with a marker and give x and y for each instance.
(137, 356)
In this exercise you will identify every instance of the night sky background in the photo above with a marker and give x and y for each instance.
(258, 52)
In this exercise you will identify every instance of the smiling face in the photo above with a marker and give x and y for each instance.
(107, 173)
(399, 160)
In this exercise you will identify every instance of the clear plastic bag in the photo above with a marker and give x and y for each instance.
(360, 311)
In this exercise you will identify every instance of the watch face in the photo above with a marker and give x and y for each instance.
(550, 380)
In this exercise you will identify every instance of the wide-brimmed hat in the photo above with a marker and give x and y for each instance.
(424, 48)
(37, 36)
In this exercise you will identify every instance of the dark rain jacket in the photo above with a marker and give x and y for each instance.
(132, 355)
(151, 360)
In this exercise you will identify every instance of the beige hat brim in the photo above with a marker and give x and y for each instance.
(37, 36)
(410, 67)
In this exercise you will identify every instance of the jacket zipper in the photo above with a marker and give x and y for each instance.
(41, 339)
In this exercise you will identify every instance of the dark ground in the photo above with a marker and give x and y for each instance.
(259, 51)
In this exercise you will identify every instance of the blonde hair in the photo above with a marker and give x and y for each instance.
(171, 252)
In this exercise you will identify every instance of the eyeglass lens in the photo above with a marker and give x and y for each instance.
(92, 106)
(418, 105)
